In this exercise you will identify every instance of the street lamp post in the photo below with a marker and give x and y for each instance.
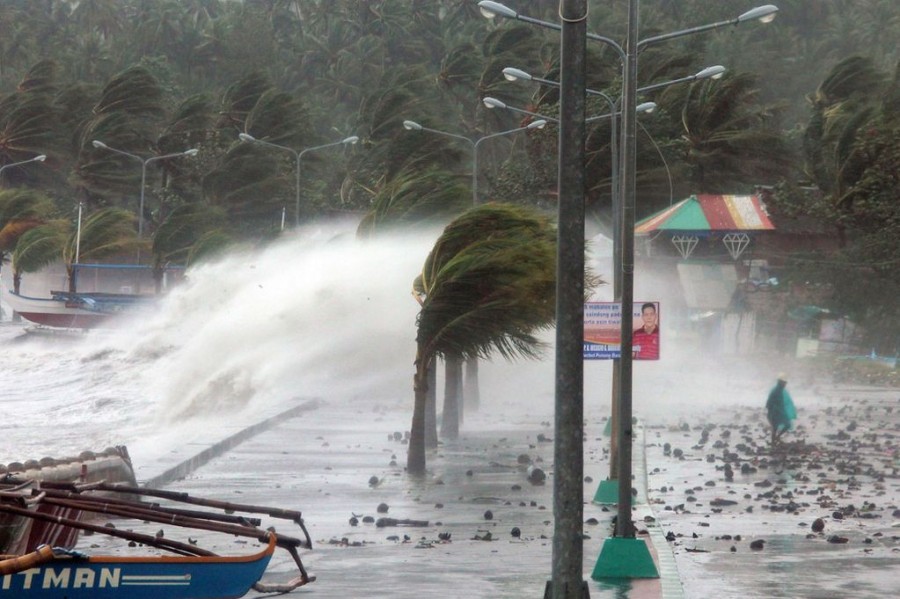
(298, 155)
(144, 162)
(566, 581)
(38, 158)
(475, 144)
(572, 73)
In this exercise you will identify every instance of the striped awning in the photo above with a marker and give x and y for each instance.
(700, 214)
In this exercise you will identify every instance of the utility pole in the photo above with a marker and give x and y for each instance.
(568, 455)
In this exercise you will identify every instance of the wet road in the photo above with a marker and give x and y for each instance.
(321, 463)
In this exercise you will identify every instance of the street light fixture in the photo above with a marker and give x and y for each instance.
(144, 162)
(246, 137)
(476, 143)
(763, 14)
(646, 107)
(490, 102)
(38, 158)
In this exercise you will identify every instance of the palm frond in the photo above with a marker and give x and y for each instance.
(134, 91)
(104, 233)
(40, 246)
(488, 284)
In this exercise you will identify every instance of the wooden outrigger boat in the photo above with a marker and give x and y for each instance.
(193, 573)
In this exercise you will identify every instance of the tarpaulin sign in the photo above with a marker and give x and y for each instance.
(603, 334)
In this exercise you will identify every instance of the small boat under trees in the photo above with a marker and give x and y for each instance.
(74, 310)
(105, 292)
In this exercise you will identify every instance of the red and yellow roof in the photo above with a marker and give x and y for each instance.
(709, 213)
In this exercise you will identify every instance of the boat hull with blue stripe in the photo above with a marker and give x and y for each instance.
(71, 575)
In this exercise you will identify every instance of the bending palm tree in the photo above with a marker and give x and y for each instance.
(20, 211)
(105, 233)
(488, 285)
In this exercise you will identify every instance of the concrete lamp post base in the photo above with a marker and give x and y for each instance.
(607, 492)
(623, 557)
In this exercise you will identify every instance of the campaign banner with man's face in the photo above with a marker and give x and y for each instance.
(603, 330)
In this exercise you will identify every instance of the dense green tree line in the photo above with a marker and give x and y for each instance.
(155, 77)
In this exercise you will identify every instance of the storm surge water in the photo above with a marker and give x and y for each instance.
(319, 314)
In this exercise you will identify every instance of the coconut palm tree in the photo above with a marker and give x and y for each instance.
(177, 235)
(416, 198)
(20, 211)
(107, 232)
(38, 247)
(840, 108)
(487, 285)
(731, 138)
(246, 186)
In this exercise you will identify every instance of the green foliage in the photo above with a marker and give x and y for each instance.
(416, 198)
(280, 118)
(248, 188)
(731, 143)
(104, 233)
(241, 97)
(20, 211)
(209, 246)
(184, 228)
(488, 284)
(862, 371)
(135, 92)
(40, 246)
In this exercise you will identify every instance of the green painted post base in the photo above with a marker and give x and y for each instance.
(607, 492)
(624, 558)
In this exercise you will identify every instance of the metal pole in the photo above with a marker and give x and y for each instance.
(617, 289)
(568, 458)
(624, 525)
(141, 207)
(475, 171)
(78, 235)
(297, 199)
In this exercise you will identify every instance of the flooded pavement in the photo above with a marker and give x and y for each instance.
(477, 527)
(818, 518)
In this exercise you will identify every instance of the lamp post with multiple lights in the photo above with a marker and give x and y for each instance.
(566, 579)
(475, 144)
(298, 156)
(144, 162)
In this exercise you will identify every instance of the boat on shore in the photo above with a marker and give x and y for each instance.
(104, 292)
(192, 573)
(67, 310)
(48, 572)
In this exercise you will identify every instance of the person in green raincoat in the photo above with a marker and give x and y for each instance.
(780, 409)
